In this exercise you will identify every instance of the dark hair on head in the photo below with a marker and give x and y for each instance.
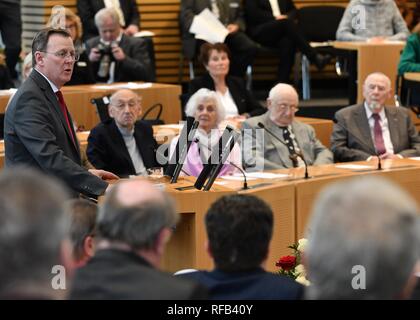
(206, 49)
(239, 229)
(40, 41)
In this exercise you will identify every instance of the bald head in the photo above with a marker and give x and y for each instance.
(282, 104)
(125, 108)
(136, 192)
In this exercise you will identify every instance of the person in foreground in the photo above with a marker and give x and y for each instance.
(363, 242)
(35, 251)
(123, 144)
(134, 226)
(371, 129)
(38, 129)
(266, 151)
(239, 230)
(205, 107)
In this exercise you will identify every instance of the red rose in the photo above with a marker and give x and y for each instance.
(286, 262)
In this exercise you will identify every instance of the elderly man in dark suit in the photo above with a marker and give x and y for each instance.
(134, 226)
(129, 16)
(372, 129)
(122, 144)
(115, 56)
(262, 151)
(239, 230)
(38, 129)
(230, 14)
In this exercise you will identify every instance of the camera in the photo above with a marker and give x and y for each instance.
(104, 49)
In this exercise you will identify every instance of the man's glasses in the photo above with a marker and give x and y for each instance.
(121, 104)
(65, 54)
(284, 107)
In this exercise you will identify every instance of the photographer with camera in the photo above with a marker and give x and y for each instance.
(115, 56)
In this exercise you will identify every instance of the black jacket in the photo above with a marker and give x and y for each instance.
(244, 99)
(106, 148)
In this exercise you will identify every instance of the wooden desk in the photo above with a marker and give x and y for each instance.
(84, 113)
(323, 128)
(374, 57)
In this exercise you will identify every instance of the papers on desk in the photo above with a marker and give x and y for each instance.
(255, 175)
(415, 158)
(207, 27)
(354, 166)
(128, 85)
(144, 33)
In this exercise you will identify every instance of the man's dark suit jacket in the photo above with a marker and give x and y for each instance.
(351, 139)
(106, 148)
(244, 100)
(122, 275)
(247, 285)
(36, 135)
(88, 8)
(191, 8)
(259, 12)
(135, 67)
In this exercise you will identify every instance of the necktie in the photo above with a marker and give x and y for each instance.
(289, 142)
(65, 113)
(377, 133)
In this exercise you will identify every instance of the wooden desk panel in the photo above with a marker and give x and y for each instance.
(84, 113)
(374, 57)
(323, 128)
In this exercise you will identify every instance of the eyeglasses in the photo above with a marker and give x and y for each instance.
(284, 107)
(120, 105)
(64, 54)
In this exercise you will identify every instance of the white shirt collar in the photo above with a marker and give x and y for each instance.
(53, 86)
(369, 112)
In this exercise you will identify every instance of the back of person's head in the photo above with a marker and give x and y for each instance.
(239, 230)
(33, 229)
(134, 213)
(83, 215)
(363, 241)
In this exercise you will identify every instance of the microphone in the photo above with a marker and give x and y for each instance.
(162, 156)
(245, 187)
(361, 142)
(292, 157)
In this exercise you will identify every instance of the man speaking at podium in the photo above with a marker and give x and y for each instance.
(284, 137)
(38, 130)
(372, 129)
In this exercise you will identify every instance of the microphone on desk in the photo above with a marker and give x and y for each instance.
(245, 187)
(292, 157)
(360, 141)
(162, 156)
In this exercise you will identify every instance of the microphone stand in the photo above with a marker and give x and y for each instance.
(361, 142)
(245, 187)
(292, 157)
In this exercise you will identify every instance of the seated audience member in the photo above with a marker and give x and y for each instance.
(372, 129)
(115, 56)
(230, 14)
(33, 236)
(5, 79)
(237, 101)
(371, 228)
(262, 151)
(372, 20)
(26, 66)
(134, 225)
(82, 70)
(128, 14)
(205, 107)
(82, 229)
(239, 230)
(271, 23)
(123, 144)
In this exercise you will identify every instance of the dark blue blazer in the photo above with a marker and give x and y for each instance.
(248, 285)
(106, 148)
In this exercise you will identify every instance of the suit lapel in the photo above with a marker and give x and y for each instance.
(393, 127)
(362, 123)
(280, 148)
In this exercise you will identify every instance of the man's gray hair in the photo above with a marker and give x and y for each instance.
(204, 95)
(368, 222)
(32, 228)
(104, 13)
(136, 225)
(275, 91)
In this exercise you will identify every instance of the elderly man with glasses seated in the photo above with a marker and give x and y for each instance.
(274, 139)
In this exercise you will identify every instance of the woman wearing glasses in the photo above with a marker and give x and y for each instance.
(82, 71)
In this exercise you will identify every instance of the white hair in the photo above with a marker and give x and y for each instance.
(104, 13)
(204, 95)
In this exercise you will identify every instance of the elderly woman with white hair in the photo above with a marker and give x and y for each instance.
(206, 108)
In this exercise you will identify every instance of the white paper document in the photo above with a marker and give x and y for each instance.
(354, 166)
(128, 85)
(207, 27)
(255, 175)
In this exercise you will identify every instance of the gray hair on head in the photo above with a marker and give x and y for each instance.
(205, 95)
